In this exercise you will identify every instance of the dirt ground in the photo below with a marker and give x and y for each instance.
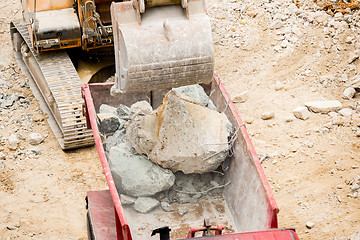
(310, 163)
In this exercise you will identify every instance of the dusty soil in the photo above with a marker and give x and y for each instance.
(309, 167)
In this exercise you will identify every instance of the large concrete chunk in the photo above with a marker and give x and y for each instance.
(135, 175)
(197, 93)
(145, 204)
(191, 138)
(142, 129)
(323, 106)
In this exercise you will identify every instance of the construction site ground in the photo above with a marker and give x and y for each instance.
(283, 54)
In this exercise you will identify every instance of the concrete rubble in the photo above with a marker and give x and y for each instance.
(191, 138)
(301, 113)
(154, 154)
(145, 204)
(136, 175)
(323, 106)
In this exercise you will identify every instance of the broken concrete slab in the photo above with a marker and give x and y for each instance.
(301, 113)
(197, 93)
(104, 108)
(323, 106)
(135, 175)
(145, 204)
(127, 200)
(191, 138)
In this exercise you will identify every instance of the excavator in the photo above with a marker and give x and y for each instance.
(148, 44)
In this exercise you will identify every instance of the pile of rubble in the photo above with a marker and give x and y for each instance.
(158, 157)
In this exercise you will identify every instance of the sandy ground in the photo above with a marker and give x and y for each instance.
(309, 169)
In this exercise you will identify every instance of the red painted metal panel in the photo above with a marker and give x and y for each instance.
(102, 214)
(273, 209)
(123, 229)
(272, 234)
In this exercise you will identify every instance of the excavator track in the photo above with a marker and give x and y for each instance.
(59, 86)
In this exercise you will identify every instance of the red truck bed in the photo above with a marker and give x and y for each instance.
(248, 197)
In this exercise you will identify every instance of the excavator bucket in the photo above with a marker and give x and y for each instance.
(164, 47)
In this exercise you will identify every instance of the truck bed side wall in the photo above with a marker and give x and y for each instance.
(248, 196)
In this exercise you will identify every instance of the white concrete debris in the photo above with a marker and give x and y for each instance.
(145, 204)
(267, 115)
(35, 139)
(104, 108)
(13, 141)
(348, 93)
(278, 86)
(323, 106)
(242, 97)
(135, 175)
(346, 112)
(301, 113)
(276, 24)
(310, 224)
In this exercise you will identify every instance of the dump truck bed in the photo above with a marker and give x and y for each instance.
(248, 197)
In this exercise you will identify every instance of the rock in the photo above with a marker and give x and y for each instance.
(13, 141)
(267, 115)
(104, 108)
(135, 175)
(276, 24)
(2, 156)
(127, 200)
(352, 57)
(348, 93)
(189, 136)
(284, 43)
(36, 151)
(35, 139)
(278, 86)
(123, 112)
(38, 117)
(338, 120)
(301, 113)
(145, 204)
(290, 118)
(242, 97)
(197, 93)
(348, 40)
(310, 225)
(182, 211)
(249, 120)
(183, 198)
(118, 137)
(346, 112)
(166, 207)
(21, 136)
(323, 106)
(14, 226)
(109, 123)
(140, 108)
(142, 132)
